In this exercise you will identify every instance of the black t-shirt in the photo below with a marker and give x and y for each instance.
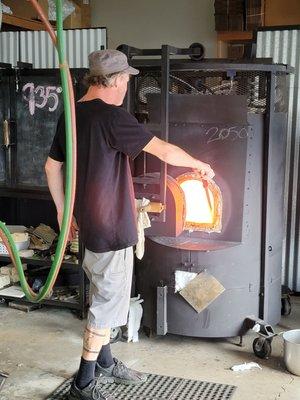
(107, 136)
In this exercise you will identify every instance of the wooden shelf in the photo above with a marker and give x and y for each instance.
(234, 36)
(23, 23)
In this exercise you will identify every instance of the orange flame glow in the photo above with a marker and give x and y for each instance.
(199, 202)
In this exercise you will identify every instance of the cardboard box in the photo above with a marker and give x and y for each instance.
(236, 51)
(221, 22)
(5, 270)
(4, 280)
(279, 12)
(80, 18)
(255, 14)
(14, 276)
(11, 272)
(24, 9)
(236, 22)
(45, 7)
(73, 20)
(229, 7)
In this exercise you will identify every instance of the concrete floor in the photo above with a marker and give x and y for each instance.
(41, 349)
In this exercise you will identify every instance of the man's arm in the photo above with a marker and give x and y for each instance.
(174, 155)
(55, 180)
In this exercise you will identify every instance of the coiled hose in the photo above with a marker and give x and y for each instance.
(70, 128)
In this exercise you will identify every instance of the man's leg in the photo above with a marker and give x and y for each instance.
(105, 358)
(93, 340)
(106, 365)
(85, 386)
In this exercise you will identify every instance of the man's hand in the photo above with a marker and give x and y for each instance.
(74, 227)
(205, 170)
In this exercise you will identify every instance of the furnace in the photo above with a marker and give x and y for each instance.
(203, 203)
(232, 116)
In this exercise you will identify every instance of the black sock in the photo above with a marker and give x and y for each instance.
(105, 358)
(86, 373)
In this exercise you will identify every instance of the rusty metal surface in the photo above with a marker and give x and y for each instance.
(202, 291)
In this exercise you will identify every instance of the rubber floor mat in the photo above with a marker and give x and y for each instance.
(160, 387)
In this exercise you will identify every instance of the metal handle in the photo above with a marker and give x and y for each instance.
(6, 133)
(152, 207)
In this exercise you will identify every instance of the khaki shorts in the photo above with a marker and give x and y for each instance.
(110, 276)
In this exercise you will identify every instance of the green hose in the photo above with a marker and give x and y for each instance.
(69, 189)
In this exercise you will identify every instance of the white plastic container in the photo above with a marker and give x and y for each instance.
(23, 245)
(292, 351)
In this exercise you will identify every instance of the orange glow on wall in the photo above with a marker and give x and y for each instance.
(203, 203)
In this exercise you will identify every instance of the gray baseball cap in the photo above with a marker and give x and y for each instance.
(106, 62)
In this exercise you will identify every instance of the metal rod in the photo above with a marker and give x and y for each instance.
(165, 76)
(265, 262)
(161, 311)
(215, 65)
(133, 51)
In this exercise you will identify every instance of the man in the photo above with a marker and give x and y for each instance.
(107, 136)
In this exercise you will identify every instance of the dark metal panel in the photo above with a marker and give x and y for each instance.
(212, 109)
(3, 114)
(236, 270)
(131, 51)
(236, 266)
(274, 215)
(7, 88)
(223, 318)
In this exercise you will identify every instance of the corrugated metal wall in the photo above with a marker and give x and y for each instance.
(284, 47)
(9, 47)
(35, 47)
(80, 43)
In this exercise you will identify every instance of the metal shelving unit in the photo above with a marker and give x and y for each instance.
(42, 195)
(31, 204)
(78, 305)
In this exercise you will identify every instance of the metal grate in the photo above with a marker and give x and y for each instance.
(252, 84)
(160, 387)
